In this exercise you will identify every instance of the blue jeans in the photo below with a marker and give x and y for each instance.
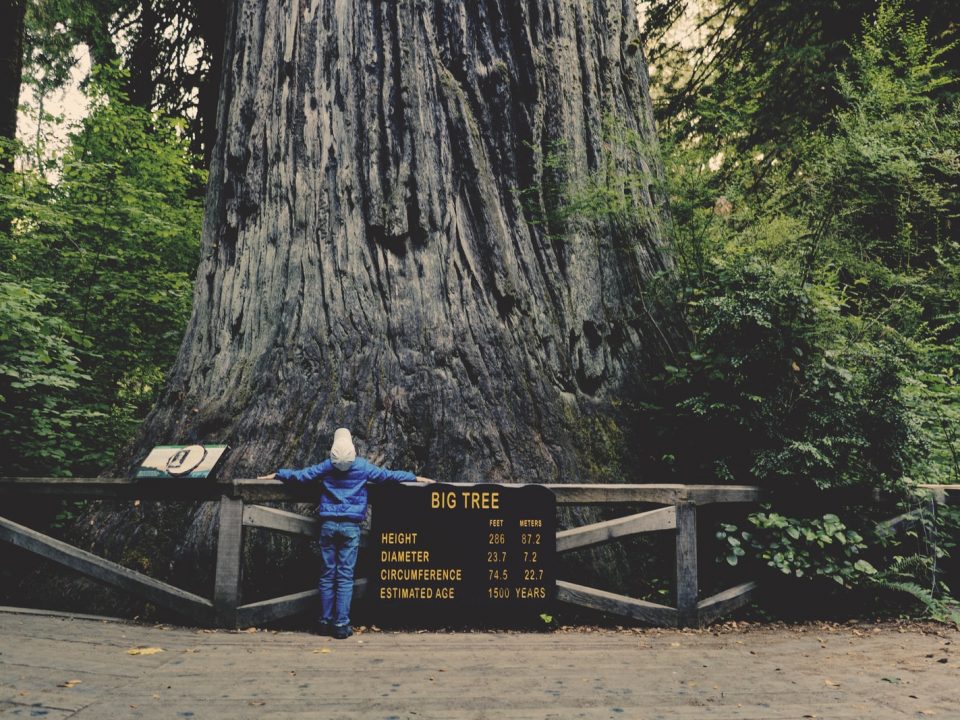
(339, 542)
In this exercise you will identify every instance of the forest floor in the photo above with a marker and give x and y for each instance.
(57, 666)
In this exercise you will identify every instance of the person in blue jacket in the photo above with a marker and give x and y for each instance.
(343, 504)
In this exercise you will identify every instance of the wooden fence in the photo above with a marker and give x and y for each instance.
(239, 507)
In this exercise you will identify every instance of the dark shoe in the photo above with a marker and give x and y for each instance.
(323, 628)
(342, 632)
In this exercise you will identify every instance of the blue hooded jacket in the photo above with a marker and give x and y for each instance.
(344, 493)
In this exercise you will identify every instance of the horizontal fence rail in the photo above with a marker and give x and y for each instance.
(256, 491)
(239, 508)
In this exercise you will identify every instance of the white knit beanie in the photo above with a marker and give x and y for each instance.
(343, 453)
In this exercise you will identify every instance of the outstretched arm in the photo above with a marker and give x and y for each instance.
(306, 475)
(377, 474)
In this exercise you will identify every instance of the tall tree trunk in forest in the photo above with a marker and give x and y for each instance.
(11, 72)
(368, 260)
(141, 86)
(211, 27)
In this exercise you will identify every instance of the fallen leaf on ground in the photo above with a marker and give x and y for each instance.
(323, 651)
(831, 683)
(70, 683)
(257, 702)
(144, 651)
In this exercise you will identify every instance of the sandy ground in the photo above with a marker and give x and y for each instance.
(60, 667)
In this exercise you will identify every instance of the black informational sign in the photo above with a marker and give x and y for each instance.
(462, 554)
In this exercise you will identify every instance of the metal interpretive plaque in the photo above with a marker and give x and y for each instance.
(462, 553)
(178, 461)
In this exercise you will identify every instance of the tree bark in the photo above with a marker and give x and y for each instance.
(369, 260)
(11, 73)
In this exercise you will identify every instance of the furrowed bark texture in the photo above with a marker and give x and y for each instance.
(372, 253)
(368, 260)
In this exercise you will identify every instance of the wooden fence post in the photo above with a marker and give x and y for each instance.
(687, 575)
(933, 537)
(226, 587)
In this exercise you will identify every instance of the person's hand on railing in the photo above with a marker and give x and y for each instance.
(271, 476)
(425, 480)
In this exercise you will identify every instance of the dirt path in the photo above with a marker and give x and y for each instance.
(57, 667)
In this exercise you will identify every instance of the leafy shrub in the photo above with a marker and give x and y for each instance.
(821, 546)
(39, 369)
(108, 235)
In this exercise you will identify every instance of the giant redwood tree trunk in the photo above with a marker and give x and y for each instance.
(368, 260)
(373, 255)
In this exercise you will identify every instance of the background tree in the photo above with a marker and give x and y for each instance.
(171, 51)
(11, 72)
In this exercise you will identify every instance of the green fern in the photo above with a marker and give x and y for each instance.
(939, 609)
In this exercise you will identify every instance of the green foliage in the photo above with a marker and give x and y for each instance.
(774, 393)
(937, 607)
(111, 242)
(762, 75)
(69, 513)
(49, 43)
(612, 195)
(887, 197)
(168, 49)
(822, 546)
(39, 369)
(920, 553)
(824, 296)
